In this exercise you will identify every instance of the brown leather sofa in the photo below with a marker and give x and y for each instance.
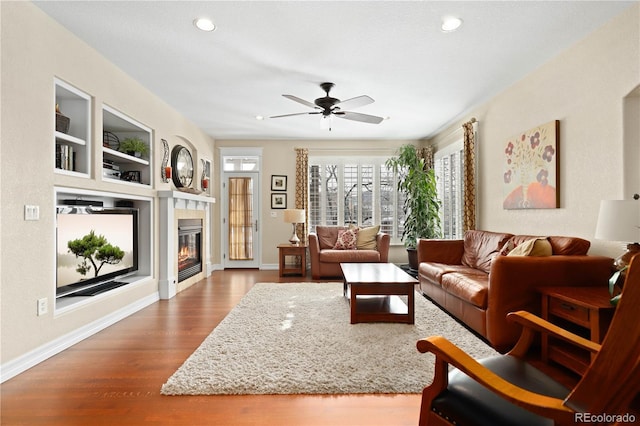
(325, 260)
(479, 285)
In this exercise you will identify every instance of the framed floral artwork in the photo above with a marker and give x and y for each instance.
(530, 179)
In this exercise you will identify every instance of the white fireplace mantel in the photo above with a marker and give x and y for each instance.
(171, 204)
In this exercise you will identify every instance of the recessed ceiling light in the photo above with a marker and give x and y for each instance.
(205, 24)
(259, 117)
(450, 24)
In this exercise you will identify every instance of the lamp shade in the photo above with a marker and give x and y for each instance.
(619, 220)
(294, 216)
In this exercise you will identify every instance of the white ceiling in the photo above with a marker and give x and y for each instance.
(393, 51)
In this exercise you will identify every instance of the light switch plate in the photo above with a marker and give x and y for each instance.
(43, 306)
(31, 212)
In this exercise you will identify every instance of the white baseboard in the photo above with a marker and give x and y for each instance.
(16, 366)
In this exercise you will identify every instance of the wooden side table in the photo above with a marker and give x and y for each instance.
(585, 311)
(292, 250)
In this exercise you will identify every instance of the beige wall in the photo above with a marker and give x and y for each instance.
(585, 88)
(34, 50)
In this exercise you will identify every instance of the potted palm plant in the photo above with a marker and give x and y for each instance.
(421, 205)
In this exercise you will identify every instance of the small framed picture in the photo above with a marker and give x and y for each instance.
(131, 176)
(278, 183)
(278, 201)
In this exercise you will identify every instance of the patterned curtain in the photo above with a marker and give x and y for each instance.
(426, 153)
(469, 177)
(302, 190)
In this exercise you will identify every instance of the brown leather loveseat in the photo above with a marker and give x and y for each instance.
(478, 282)
(371, 246)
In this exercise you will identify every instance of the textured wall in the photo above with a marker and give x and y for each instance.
(585, 88)
(35, 49)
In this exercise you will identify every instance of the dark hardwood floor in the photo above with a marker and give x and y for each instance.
(114, 377)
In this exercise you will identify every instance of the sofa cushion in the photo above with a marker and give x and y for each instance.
(328, 235)
(472, 287)
(567, 246)
(434, 271)
(533, 247)
(480, 247)
(349, 256)
(346, 239)
(367, 238)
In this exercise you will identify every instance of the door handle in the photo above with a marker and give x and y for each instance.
(256, 225)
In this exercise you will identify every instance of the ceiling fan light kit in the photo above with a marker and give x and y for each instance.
(329, 106)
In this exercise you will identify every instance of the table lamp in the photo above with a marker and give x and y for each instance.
(619, 220)
(294, 216)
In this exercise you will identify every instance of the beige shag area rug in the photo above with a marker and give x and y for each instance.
(295, 338)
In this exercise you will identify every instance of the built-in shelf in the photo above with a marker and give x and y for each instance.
(73, 144)
(118, 166)
(122, 157)
(63, 137)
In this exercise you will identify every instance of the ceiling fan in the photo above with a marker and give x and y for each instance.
(328, 107)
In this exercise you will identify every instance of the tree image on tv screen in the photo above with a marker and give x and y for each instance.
(95, 251)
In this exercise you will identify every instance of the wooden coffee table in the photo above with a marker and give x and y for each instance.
(373, 290)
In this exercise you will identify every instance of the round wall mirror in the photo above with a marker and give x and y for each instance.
(182, 165)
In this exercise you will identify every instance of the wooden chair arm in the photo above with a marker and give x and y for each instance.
(447, 352)
(531, 322)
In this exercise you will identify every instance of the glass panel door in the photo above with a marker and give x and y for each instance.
(241, 218)
(241, 226)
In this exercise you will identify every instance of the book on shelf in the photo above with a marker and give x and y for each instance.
(65, 157)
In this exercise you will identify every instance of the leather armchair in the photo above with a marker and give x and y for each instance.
(325, 261)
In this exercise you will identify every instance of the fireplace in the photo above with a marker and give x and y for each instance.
(189, 248)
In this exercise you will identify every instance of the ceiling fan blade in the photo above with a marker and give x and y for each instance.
(356, 102)
(301, 101)
(356, 116)
(297, 113)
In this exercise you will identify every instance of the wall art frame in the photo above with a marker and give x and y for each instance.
(278, 182)
(531, 175)
(278, 201)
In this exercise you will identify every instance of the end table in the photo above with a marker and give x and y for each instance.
(585, 311)
(300, 251)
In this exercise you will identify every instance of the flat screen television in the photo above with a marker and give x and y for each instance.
(94, 246)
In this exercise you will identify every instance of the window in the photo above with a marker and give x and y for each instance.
(359, 191)
(449, 168)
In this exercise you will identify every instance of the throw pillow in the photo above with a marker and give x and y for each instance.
(507, 248)
(533, 247)
(347, 239)
(367, 238)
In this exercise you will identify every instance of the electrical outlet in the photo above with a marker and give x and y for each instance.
(274, 214)
(31, 212)
(43, 306)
